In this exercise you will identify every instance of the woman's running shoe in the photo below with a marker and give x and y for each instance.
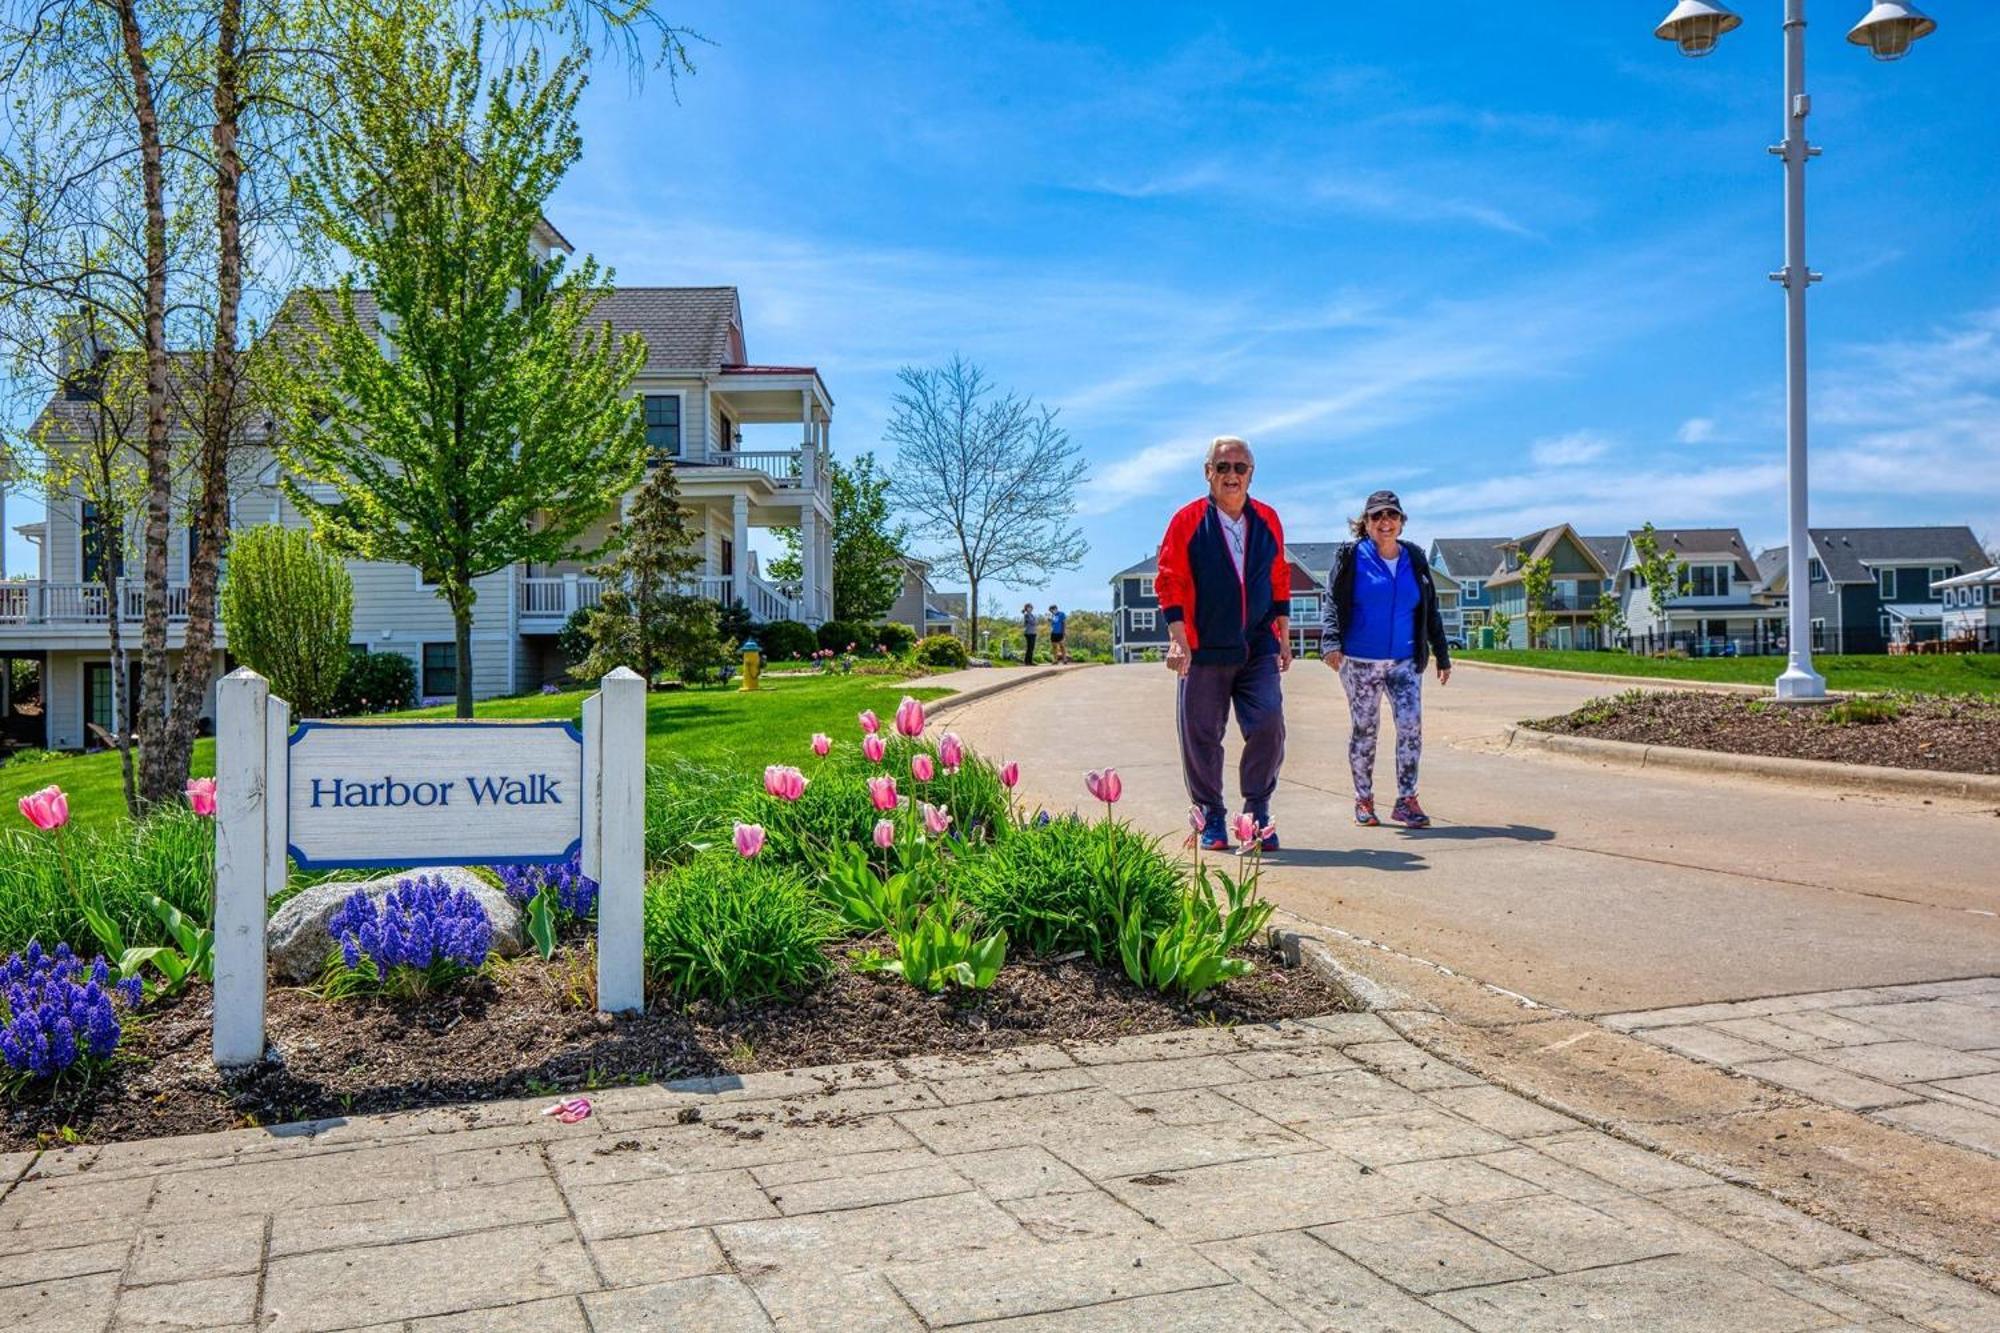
(1364, 814)
(1409, 814)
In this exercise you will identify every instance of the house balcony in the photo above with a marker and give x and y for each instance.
(64, 615)
(544, 605)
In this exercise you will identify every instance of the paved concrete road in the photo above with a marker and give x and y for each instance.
(1322, 1176)
(1592, 888)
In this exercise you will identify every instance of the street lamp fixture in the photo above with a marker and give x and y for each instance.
(1888, 29)
(1695, 26)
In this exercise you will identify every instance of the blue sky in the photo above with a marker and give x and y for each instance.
(1515, 273)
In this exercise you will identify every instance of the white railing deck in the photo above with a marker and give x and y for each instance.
(547, 603)
(66, 604)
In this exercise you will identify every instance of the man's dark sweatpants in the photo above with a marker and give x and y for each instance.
(1206, 693)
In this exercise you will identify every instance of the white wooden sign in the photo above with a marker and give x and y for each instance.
(394, 794)
(434, 793)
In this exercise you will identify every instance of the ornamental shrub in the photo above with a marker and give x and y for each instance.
(723, 927)
(942, 650)
(785, 640)
(57, 1012)
(837, 634)
(897, 637)
(420, 935)
(576, 892)
(1057, 886)
(289, 604)
(375, 683)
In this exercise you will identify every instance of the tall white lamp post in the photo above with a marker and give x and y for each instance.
(1887, 29)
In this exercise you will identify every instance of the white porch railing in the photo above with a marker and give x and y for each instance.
(39, 603)
(784, 466)
(546, 604)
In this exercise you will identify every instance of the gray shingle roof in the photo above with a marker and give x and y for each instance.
(1685, 542)
(685, 328)
(1846, 551)
(1317, 557)
(1150, 565)
(1771, 563)
(1608, 550)
(1469, 557)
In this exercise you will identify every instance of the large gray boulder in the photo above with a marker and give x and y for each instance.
(297, 941)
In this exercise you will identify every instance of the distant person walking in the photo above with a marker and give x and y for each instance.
(1225, 589)
(1028, 629)
(1381, 628)
(1058, 627)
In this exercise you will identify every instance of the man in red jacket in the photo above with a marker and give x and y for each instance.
(1226, 590)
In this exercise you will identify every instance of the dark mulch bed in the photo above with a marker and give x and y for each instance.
(526, 1029)
(1949, 733)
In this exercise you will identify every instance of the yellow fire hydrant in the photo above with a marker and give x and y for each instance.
(753, 662)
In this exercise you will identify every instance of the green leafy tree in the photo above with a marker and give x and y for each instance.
(868, 545)
(1538, 582)
(1663, 573)
(647, 620)
(1609, 616)
(1503, 623)
(450, 392)
(289, 606)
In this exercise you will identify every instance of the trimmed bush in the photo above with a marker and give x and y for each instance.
(725, 928)
(942, 650)
(897, 637)
(838, 634)
(375, 683)
(289, 605)
(785, 640)
(1055, 887)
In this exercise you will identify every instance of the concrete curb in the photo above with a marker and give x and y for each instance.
(1667, 682)
(1011, 680)
(1293, 938)
(1812, 772)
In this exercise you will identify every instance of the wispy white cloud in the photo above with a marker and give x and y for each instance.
(1573, 449)
(1696, 430)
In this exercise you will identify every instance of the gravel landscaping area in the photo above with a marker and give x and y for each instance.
(527, 1028)
(1957, 734)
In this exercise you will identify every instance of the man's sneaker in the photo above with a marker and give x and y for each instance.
(1364, 814)
(1409, 814)
(1215, 833)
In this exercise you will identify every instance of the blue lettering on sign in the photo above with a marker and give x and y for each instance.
(391, 794)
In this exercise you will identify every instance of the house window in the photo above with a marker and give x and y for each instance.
(1147, 619)
(1304, 608)
(1818, 634)
(97, 541)
(1939, 575)
(1886, 581)
(1884, 626)
(1146, 586)
(1979, 596)
(1815, 571)
(440, 669)
(1711, 580)
(1474, 589)
(663, 424)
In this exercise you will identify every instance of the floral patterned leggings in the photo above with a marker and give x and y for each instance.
(1366, 683)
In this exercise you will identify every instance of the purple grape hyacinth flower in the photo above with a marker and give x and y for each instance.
(56, 1010)
(420, 923)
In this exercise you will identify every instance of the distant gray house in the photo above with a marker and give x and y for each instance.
(1724, 604)
(1873, 587)
(1972, 609)
(1139, 632)
(1469, 562)
(919, 605)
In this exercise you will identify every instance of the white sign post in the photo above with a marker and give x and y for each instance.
(394, 794)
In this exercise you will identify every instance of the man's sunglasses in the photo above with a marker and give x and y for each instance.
(1225, 468)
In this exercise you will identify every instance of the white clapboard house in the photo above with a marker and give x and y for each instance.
(751, 442)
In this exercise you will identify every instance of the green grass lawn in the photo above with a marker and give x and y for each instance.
(712, 726)
(1940, 674)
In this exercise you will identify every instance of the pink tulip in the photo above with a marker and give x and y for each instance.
(951, 752)
(870, 723)
(874, 747)
(1010, 773)
(1244, 826)
(822, 743)
(936, 819)
(1105, 786)
(921, 767)
(882, 791)
(749, 839)
(784, 782)
(201, 796)
(910, 717)
(885, 833)
(1197, 818)
(46, 809)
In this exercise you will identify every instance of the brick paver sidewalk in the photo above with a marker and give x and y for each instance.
(1324, 1175)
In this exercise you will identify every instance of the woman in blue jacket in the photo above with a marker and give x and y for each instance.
(1382, 628)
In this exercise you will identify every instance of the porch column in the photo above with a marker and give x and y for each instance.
(739, 542)
(809, 554)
